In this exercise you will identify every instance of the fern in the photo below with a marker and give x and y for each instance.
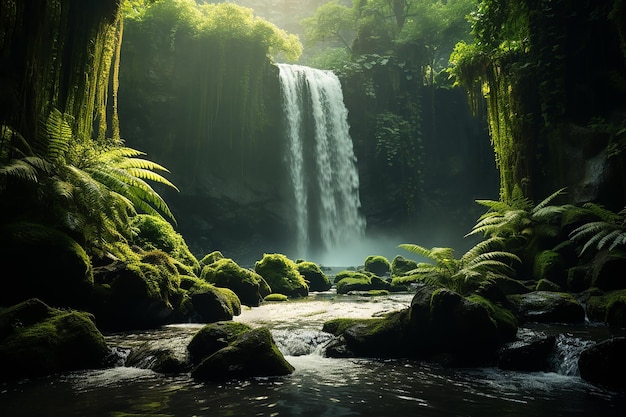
(607, 232)
(478, 265)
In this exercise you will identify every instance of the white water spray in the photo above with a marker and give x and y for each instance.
(321, 160)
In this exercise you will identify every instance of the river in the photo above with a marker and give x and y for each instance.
(319, 386)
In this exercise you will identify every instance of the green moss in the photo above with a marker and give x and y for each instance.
(276, 297)
(549, 265)
(211, 257)
(378, 265)
(407, 279)
(358, 282)
(247, 284)
(214, 337)
(282, 275)
(338, 326)
(351, 274)
(376, 293)
(230, 299)
(609, 308)
(58, 341)
(156, 233)
(315, 277)
(401, 266)
(504, 319)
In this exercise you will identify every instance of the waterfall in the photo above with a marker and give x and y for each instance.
(322, 164)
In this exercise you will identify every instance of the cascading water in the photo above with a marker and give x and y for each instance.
(321, 160)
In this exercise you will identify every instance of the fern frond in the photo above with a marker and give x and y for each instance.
(588, 229)
(601, 212)
(121, 152)
(544, 203)
(19, 168)
(495, 206)
(150, 175)
(417, 249)
(55, 134)
(611, 237)
(140, 163)
(548, 213)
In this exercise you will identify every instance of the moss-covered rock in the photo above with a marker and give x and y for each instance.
(401, 266)
(550, 265)
(45, 264)
(314, 276)
(609, 308)
(378, 265)
(253, 354)
(547, 307)
(136, 295)
(440, 324)
(214, 337)
(351, 281)
(37, 340)
(211, 304)
(156, 233)
(211, 257)
(249, 286)
(275, 297)
(455, 329)
(282, 275)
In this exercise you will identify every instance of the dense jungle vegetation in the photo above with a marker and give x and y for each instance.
(88, 88)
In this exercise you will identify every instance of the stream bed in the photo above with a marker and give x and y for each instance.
(319, 386)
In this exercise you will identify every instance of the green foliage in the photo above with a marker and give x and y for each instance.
(331, 22)
(607, 231)
(79, 187)
(222, 23)
(519, 218)
(477, 266)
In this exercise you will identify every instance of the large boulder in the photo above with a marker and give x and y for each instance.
(211, 304)
(401, 265)
(135, 295)
(547, 307)
(377, 265)
(375, 337)
(249, 286)
(605, 363)
(37, 340)
(458, 329)
(213, 337)
(440, 325)
(282, 275)
(41, 262)
(314, 276)
(252, 354)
